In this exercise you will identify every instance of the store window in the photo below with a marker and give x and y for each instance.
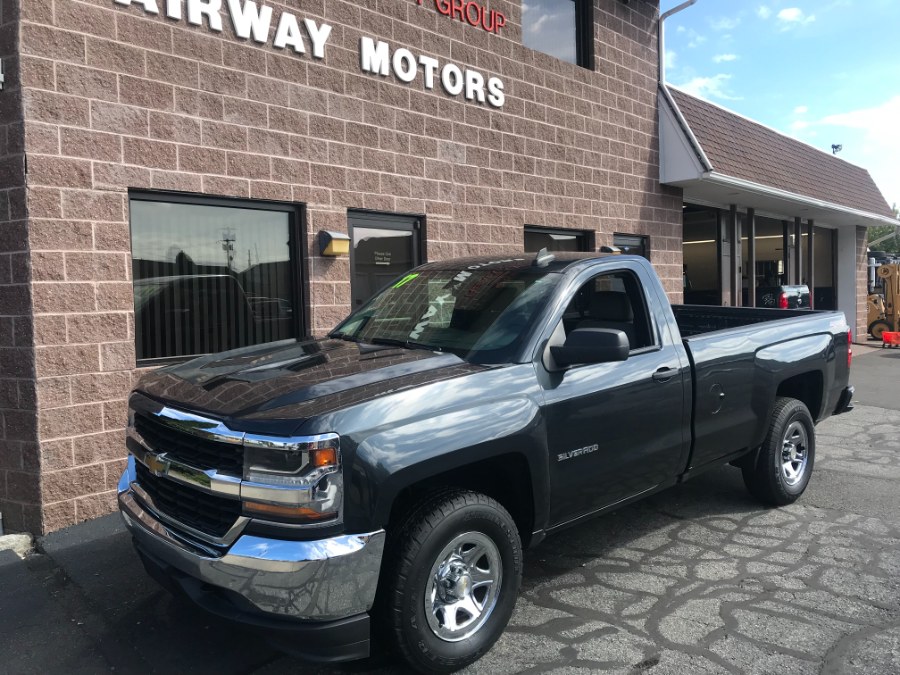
(561, 28)
(211, 275)
(632, 244)
(384, 246)
(537, 238)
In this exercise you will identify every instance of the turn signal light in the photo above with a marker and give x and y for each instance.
(290, 513)
(323, 457)
(782, 301)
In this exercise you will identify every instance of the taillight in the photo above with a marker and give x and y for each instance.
(782, 301)
(849, 347)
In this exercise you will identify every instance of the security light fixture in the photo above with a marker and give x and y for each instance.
(333, 243)
(836, 148)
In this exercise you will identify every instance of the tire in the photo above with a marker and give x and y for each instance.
(785, 462)
(451, 582)
(877, 328)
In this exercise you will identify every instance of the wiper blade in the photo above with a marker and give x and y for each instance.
(342, 336)
(409, 344)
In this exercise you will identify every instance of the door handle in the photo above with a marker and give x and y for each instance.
(665, 374)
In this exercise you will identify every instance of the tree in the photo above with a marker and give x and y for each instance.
(890, 244)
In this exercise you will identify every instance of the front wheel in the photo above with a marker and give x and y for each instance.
(785, 463)
(455, 572)
(878, 328)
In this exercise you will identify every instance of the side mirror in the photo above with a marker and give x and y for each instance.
(592, 345)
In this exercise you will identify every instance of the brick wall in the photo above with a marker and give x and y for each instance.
(19, 459)
(860, 331)
(115, 98)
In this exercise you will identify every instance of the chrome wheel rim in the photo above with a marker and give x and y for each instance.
(794, 453)
(463, 586)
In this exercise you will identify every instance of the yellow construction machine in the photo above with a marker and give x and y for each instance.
(884, 312)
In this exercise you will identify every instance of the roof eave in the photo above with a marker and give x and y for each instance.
(747, 193)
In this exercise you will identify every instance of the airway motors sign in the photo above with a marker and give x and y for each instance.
(255, 22)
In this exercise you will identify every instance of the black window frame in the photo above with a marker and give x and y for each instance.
(386, 220)
(299, 267)
(637, 297)
(645, 243)
(587, 237)
(584, 35)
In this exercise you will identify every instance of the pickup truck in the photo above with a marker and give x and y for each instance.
(397, 468)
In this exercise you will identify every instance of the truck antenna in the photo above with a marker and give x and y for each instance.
(543, 258)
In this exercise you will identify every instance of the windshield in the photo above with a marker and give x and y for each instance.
(481, 314)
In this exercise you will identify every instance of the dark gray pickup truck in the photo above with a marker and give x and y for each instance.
(397, 468)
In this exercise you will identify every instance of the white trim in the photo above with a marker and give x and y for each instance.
(722, 179)
(759, 213)
(689, 138)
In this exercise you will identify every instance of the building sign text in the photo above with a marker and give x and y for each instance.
(255, 22)
(472, 13)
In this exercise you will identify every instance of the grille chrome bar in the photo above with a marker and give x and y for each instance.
(180, 452)
(160, 464)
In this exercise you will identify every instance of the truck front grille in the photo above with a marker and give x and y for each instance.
(197, 452)
(213, 516)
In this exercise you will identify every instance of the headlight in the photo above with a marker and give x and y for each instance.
(297, 480)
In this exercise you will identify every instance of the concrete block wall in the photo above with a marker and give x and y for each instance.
(116, 98)
(19, 455)
(860, 331)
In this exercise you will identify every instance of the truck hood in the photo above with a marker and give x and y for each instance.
(296, 380)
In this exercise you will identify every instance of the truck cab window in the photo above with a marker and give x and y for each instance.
(611, 301)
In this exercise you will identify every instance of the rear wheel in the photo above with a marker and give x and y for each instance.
(877, 328)
(454, 572)
(785, 463)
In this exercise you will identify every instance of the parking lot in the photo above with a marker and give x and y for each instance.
(697, 579)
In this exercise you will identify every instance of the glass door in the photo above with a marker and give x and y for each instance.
(384, 246)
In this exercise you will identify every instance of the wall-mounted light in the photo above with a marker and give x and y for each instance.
(334, 243)
(836, 148)
(615, 250)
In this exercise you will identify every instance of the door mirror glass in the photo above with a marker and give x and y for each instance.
(592, 345)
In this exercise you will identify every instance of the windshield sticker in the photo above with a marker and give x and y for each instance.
(405, 280)
(433, 308)
(494, 262)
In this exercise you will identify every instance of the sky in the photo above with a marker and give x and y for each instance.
(825, 72)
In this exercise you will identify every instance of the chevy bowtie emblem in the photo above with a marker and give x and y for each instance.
(156, 464)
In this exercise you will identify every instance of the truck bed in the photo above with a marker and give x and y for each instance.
(696, 319)
(743, 357)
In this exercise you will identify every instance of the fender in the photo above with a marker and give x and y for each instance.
(394, 459)
(814, 355)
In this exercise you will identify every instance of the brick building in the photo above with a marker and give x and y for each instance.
(153, 152)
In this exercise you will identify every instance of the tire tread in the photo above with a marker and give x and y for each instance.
(400, 560)
(759, 478)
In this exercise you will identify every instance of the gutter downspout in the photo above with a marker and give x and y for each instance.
(662, 38)
(704, 160)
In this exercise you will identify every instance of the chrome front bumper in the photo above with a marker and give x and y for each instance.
(320, 580)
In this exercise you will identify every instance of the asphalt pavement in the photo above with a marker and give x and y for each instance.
(697, 579)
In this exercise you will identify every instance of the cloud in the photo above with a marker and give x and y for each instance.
(724, 24)
(799, 125)
(793, 16)
(870, 139)
(720, 58)
(709, 87)
(695, 39)
(801, 110)
(671, 59)
(763, 12)
(536, 26)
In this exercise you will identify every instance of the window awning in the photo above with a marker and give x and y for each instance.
(720, 158)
